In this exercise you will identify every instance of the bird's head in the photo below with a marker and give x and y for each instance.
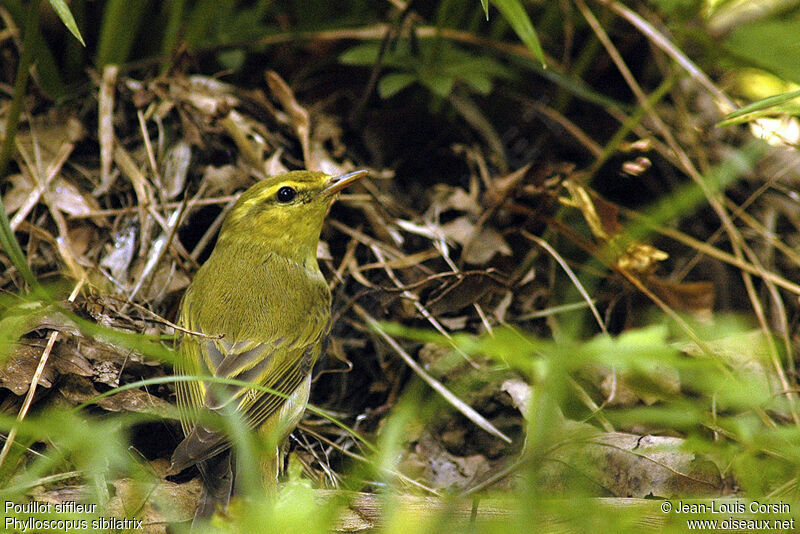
(284, 213)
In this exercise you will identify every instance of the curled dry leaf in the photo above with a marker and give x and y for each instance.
(211, 97)
(502, 187)
(446, 198)
(437, 468)
(80, 238)
(520, 393)
(251, 144)
(274, 166)
(602, 218)
(480, 244)
(120, 252)
(175, 168)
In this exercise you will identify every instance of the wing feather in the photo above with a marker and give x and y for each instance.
(267, 341)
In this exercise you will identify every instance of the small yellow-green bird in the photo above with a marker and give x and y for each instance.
(263, 307)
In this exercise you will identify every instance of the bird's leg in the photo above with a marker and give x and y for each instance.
(271, 469)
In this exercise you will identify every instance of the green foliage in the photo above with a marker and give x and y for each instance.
(121, 22)
(679, 9)
(725, 400)
(436, 65)
(766, 107)
(770, 44)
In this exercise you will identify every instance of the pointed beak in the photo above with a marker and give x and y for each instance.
(337, 183)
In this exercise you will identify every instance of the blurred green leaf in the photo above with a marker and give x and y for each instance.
(174, 11)
(121, 21)
(438, 84)
(770, 44)
(480, 84)
(363, 54)
(48, 76)
(485, 6)
(205, 16)
(681, 9)
(391, 84)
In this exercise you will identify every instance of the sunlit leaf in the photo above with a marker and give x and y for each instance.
(391, 84)
(485, 6)
(514, 12)
(61, 8)
(758, 109)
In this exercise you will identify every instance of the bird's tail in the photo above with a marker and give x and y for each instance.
(218, 482)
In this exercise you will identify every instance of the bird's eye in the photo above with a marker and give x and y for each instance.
(286, 194)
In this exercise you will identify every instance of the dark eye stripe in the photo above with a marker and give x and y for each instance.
(286, 194)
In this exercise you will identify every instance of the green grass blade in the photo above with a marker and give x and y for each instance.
(514, 12)
(121, 20)
(765, 104)
(63, 12)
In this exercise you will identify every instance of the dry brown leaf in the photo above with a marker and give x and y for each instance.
(63, 195)
(224, 179)
(251, 144)
(76, 389)
(603, 220)
(437, 468)
(694, 297)
(80, 238)
(136, 400)
(462, 292)
(501, 187)
(628, 465)
(484, 246)
(105, 126)
(166, 280)
(119, 254)
(66, 360)
(17, 370)
(297, 116)
(211, 97)
(520, 393)
(480, 245)
(175, 168)
(155, 504)
(446, 198)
